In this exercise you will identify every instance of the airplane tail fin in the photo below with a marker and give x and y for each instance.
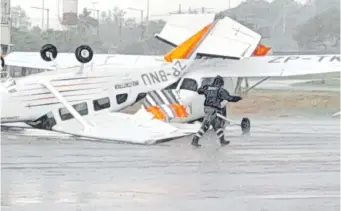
(220, 38)
(224, 38)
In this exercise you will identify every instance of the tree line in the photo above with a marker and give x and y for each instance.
(284, 24)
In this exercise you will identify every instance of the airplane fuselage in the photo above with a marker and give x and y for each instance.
(100, 90)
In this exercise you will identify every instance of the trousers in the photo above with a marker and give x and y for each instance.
(211, 118)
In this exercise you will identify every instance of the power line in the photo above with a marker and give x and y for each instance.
(198, 10)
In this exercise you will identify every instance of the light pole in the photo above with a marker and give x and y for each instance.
(141, 11)
(97, 11)
(42, 13)
(147, 18)
(48, 16)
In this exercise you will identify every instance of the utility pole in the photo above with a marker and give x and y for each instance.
(93, 4)
(190, 11)
(48, 16)
(177, 12)
(147, 18)
(42, 14)
(141, 11)
(202, 9)
(97, 12)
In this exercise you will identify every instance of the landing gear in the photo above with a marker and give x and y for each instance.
(48, 52)
(84, 54)
(245, 125)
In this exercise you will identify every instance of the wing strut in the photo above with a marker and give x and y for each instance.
(256, 84)
(70, 108)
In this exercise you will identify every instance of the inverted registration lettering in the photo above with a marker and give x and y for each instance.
(154, 77)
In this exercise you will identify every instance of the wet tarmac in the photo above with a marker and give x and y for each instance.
(284, 164)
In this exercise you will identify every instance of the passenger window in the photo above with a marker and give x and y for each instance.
(81, 108)
(102, 103)
(189, 84)
(121, 98)
(65, 114)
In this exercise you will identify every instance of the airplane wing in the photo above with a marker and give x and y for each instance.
(290, 65)
(146, 126)
(140, 128)
(66, 60)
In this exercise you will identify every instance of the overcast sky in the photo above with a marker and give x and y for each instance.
(157, 7)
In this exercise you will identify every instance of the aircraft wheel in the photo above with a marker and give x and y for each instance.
(84, 54)
(48, 52)
(245, 125)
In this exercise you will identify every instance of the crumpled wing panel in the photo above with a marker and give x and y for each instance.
(138, 129)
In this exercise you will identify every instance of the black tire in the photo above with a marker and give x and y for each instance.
(47, 50)
(245, 125)
(84, 54)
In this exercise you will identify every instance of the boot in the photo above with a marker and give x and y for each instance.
(223, 142)
(195, 141)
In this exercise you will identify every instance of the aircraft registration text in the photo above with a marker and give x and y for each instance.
(10, 118)
(319, 58)
(161, 75)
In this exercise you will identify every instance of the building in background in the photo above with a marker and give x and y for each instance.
(5, 26)
(70, 13)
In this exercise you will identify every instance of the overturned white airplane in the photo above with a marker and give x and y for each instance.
(85, 101)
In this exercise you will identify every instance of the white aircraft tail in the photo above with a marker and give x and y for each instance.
(226, 38)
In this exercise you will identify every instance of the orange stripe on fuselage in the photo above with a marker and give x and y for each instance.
(261, 50)
(157, 112)
(179, 110)
(185, 48)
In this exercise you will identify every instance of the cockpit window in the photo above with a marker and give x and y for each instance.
(189, 84)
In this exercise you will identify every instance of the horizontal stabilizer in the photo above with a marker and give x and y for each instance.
(229, 39)
(121, 127)
(180, 27)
